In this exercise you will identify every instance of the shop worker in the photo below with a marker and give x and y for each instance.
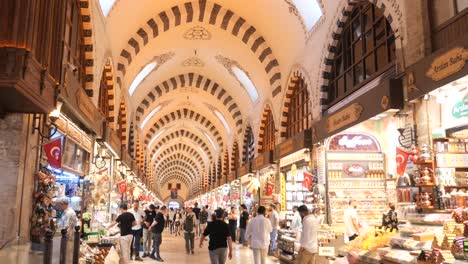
(220, 239)
(150, 213)
(189, 224)
(309, 241)
(68, 220)
(274, 220)
(258, 233)
(125, 221)
(296, 223)
(157, 228)
(137, 229)
(351, 221)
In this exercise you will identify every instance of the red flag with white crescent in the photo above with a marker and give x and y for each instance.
(122, 186)
(53, 151)
(307, 180)
(401, 161)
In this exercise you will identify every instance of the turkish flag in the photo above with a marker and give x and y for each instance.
(53, 150)
(122, 185)
(269, 188)
(401, 161)
(307, 180)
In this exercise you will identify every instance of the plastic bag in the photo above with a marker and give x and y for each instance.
(112, 257)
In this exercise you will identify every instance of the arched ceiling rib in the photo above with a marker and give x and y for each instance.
(180, 148)
(188, 80)
(179, 161)
(210, 13)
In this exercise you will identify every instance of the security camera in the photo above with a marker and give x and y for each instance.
(72, 67)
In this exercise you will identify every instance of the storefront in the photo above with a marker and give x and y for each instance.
(248, 186)
(265, 171)
(235, 193)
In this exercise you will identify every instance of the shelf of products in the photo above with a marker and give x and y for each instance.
(359, 177)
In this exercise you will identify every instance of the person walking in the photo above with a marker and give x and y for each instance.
(274, 220)
(137, 229)
(220, 239)
(203, 218)
(189, 224)
(68, 220)
(177, 219)
(171, 220)
(258, 233)
(125, 221)
(296, 223)
(309, 241)
(147, 235)
(197, 211)
(157, 227)
(232, 220)
(244, 218)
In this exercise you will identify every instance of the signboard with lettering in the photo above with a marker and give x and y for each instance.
(353, 142)
(447, 64)
(293, 144)
(244, 170)
(263, 159)
(344, 117)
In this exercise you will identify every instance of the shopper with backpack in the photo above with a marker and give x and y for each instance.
(189, 224)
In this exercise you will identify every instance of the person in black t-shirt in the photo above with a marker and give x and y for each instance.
(125, 221)
(147, 235)
(157, 228)
(244, 217)
(196, 210)
(220, 239)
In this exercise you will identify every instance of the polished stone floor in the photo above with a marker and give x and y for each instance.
(172, 251)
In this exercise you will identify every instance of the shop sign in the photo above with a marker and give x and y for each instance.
(283, 191)
(263, 160)
(344, 117)
(354, 170)
(244, 170)
(353, 142)
(299, 141)
(460, 109)
(447, 64)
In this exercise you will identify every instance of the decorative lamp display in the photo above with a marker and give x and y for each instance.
(38, 119)
(401, 117)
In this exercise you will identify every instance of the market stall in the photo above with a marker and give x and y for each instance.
(249, 186)
(265, 171)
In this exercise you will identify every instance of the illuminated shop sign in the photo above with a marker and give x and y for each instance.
(353, 142)
(460, 109)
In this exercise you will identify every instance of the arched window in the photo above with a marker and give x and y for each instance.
(268, 137)
(103, 102)
(74, 48)
(299, 113)
(366, 49)
(249, 146)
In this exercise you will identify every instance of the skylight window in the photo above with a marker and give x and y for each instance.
(310, 12)
(155, 110)
(141, 76)
(209, 138)
(246, 82)
(221, 118)
(155, 137)
(106, 6)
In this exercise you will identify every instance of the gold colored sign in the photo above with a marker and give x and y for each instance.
(283, 191)
(447, 64)
(344, 117)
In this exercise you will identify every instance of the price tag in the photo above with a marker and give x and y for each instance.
(326, 251)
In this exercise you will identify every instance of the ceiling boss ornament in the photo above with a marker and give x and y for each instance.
(193, 62)
(197, 33)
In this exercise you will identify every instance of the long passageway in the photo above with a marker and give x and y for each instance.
(173, 251)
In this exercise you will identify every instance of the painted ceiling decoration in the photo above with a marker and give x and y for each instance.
(195, 80)
(197, 33)
(213, 14)
(193, 62)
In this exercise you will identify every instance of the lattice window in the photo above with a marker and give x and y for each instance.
(269, 130)
(299, 113)
(249, 147)
(366, 49)
(103, 102)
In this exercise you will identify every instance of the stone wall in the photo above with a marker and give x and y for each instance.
(18, 156)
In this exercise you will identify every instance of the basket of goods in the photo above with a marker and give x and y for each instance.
(457, 248)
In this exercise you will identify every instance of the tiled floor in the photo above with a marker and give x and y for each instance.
(172, 251)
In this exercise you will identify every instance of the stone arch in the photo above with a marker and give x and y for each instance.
(122, 123)
(184, 114)
(85, 12)
(107, 82)
(334, 37)
(226, 164)
(267, 113)
(210, 13)
(189, 172)
(248, 148)
(178, 134)
(187, 160)
(180, 147)
(235, 157)
(131, 140)
(192, 80)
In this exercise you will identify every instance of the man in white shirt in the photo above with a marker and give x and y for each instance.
(68, 220)
(309, 241)
(258, 233)
(274, 220)
(296, 223)
(137, 229)
(351, 221)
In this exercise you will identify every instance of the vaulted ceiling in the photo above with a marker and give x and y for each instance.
(197, 72)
